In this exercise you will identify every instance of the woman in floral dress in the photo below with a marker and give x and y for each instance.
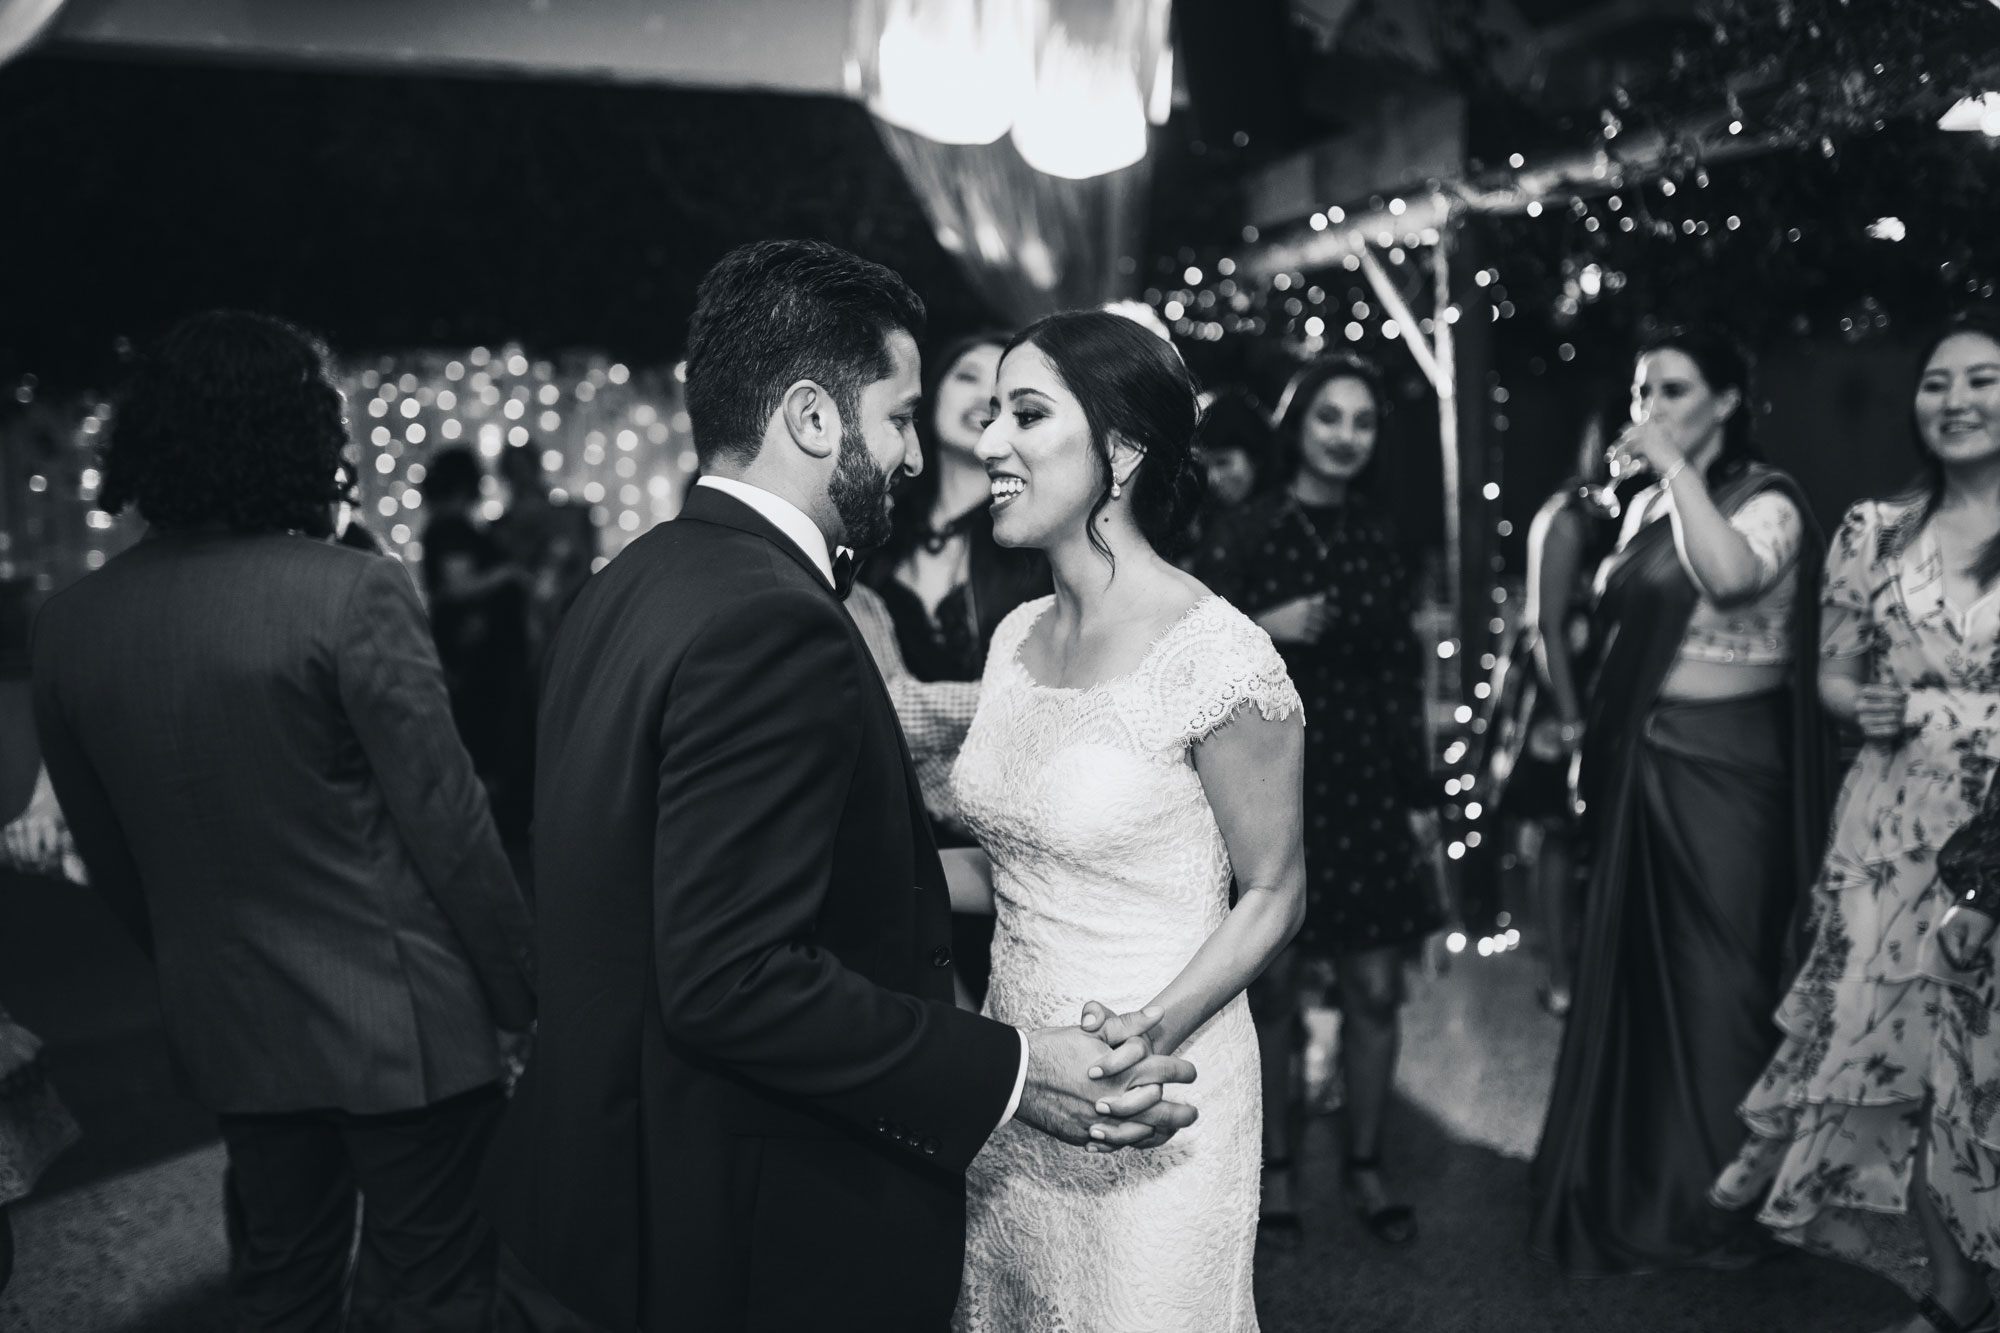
(1873, 1127)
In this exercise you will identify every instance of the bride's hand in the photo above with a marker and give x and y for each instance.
(1130, 1036)
(1141, 1074)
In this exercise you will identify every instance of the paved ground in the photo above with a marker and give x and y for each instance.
(125, 1235)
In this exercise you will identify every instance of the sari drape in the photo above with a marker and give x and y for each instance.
(1704, 822)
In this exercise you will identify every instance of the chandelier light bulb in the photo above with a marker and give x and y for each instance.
(954, 73)
(1086, 117)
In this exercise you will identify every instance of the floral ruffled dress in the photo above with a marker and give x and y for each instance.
(1882, 1036)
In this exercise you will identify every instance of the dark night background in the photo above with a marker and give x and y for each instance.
(390, 210)
(398, 210)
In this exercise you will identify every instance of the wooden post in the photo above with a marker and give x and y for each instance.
(1468, 419)
(1448, 385)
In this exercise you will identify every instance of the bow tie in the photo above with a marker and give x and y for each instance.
(843, 573)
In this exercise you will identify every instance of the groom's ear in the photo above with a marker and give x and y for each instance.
(811, 419)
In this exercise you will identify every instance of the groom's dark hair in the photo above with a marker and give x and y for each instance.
(771, 314)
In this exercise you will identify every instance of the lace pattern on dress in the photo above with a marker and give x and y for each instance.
(1109, 872)
(1203, 670)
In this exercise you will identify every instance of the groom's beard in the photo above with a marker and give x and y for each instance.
(861, 493)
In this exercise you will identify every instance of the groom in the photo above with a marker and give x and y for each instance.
(752, 1100)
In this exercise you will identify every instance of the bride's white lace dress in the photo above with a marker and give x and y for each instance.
(1108, 874)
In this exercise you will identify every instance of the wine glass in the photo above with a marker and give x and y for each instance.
(1620, 464)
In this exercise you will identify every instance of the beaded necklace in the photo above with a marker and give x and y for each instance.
(1297, 509)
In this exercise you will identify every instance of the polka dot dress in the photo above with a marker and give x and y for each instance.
(1362, 683)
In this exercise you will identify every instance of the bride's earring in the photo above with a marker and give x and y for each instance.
(1116, 490)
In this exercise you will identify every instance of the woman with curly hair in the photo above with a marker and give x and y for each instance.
(1320, 570)
(254, 448)
(247, 729)
(1871, 1128)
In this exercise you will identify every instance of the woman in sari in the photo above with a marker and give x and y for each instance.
(1872, 1134)
(1698, 775)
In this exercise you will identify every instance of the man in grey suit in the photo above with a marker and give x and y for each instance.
(247, 728)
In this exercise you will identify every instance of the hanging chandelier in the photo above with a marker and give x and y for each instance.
(1075, 82)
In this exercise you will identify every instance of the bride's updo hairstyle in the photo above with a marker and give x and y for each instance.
(1130, 382)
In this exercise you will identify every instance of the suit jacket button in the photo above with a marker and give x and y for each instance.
(940, 957)
(931, 1147)
(882, 1124)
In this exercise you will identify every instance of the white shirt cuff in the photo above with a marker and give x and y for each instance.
(1020, 1081)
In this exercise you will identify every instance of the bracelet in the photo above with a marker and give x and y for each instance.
(1667, 478)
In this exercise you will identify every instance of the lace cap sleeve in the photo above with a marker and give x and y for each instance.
(1847, 597)
(1214, 663)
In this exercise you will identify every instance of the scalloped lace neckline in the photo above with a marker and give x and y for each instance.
(1145, 658)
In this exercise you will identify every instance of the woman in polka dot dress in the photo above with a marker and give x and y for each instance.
(1319, 569)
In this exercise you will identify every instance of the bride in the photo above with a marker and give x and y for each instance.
(1137, 744)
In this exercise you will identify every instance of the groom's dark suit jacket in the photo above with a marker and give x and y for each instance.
(752, 1101)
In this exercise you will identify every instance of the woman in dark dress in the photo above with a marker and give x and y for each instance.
(479, 603)
(1703, 815)
(1321, 571)
(946, 583)
(1535, 720)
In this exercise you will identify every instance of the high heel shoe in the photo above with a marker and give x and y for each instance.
(1392, 1223)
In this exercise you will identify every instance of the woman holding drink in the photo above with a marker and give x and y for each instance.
(1699, 776)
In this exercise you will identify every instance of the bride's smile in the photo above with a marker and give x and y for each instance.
(1044, 472)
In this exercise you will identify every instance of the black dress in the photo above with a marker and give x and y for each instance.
(1366, 757)
(951, 645)
(483, 646)
(1517, 782)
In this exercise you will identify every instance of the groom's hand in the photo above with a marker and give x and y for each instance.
(1136, 1099)
(1061, 1099)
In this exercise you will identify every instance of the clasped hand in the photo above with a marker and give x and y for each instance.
(35, 838)
(1100, 1085)
(1300, 620)
(1880, 711)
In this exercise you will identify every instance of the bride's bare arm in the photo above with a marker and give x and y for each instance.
(969, 874)
(1252, 772)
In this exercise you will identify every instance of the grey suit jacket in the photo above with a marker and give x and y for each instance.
(251, 741)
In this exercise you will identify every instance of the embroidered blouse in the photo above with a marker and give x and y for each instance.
(1754, 631)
